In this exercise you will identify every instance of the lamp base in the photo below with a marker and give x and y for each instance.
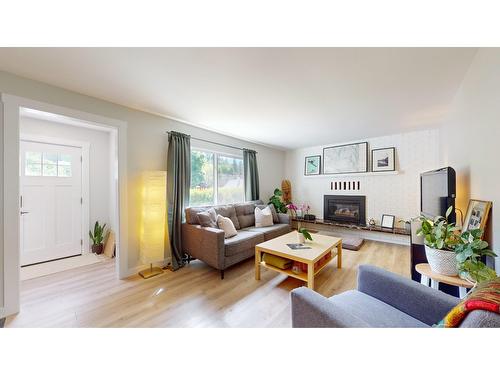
(151, 272)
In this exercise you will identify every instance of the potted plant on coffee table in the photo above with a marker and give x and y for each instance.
(440, 239)
(303, 234)
(97, 238)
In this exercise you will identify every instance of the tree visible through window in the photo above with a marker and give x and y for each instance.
(210, 170)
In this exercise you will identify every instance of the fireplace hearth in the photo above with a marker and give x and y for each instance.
(346, 209)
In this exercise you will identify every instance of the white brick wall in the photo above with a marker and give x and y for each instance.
(397, 194)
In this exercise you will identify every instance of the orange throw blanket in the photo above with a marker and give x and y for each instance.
(485, 296)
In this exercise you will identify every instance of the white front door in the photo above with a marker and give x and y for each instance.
(50, 202)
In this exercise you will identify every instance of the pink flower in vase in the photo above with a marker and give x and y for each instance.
(293, 208)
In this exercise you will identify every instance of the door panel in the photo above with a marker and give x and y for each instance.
(51, 209)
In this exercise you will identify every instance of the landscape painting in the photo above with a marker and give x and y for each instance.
(351, 158)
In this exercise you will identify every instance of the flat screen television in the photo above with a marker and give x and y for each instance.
(437, 192)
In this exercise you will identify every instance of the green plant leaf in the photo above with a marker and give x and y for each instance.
(448, 211)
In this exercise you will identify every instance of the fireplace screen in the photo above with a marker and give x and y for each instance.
(349, 209)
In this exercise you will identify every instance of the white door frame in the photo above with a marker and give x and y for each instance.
(12, 106)
(85, 146)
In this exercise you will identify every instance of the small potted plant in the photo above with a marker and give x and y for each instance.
(440, 239)
(97, 238)
(303, 234)
(469, 251)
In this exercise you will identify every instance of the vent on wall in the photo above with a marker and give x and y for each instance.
(345, 185)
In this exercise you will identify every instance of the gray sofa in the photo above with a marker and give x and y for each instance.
(383, 299)
(209, 245)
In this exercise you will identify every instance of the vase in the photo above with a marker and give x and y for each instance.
(443, 262)
(300, 238)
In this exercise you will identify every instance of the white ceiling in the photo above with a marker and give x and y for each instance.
(284, 97)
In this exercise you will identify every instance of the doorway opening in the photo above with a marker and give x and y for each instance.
(66, 187)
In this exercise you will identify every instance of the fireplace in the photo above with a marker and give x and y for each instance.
(348, 209)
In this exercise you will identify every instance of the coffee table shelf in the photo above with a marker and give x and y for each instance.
(320, 247)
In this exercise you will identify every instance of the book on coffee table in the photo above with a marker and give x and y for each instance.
(297, 246)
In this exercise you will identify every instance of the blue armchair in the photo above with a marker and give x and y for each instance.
(382, 300)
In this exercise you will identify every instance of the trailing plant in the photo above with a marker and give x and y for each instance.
(469, 252)
(305, 233)
(277, 201)
(97, 236)
(438, 233)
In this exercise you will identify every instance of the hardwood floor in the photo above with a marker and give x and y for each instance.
(92, 296)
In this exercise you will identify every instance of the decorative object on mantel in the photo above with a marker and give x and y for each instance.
(440, 238)
(350, 158)
(477, 215)
(302, 210)
(312, 165)
(387, 221)
(286, 188)
(372, 222)
(292, 209)
(384, 159)
(369, 228)
(407, 223)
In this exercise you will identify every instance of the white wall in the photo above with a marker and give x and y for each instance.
(147, 142)
(471, 137)
(99, 161)
(398, 195)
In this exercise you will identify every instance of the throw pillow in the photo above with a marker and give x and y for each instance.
(485, 296)
(263, 218)
(227, 226)
(208, 218)
(276, 218)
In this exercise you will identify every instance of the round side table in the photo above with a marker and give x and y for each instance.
(435, 278)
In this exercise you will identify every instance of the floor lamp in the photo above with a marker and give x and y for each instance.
(153, 221)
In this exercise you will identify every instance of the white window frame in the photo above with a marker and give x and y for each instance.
(216, 155)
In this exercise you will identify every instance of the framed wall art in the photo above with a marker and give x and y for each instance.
(312, 165)
(384, 159)
(350, 158)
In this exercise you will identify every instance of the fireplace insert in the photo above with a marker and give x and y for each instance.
(348, 209)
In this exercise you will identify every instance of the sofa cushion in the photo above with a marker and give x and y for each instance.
(263, 218)
(192, 214)
(227, 226)
(230, 212)
(276, 218)
(245, 214)
(243, 241)
(375, 313)
(208, 218)
(271, 232)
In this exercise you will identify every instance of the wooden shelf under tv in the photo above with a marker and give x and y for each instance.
(371, 228)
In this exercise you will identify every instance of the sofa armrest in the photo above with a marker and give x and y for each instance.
(419, 301)
(312, 310)
(284, 218)
(206, 244)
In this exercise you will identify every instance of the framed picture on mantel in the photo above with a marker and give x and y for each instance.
(384, 159)
(351, 158)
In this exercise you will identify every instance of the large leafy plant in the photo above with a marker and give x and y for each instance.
(469, 252)
(277, 201)
(438, 233)
(97, 236)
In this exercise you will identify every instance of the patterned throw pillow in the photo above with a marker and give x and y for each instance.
(227, 226)
(263, 218)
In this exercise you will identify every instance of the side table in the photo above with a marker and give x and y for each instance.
(427, 275)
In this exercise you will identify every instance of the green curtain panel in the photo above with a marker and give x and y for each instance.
(251, 175)
(178, 184)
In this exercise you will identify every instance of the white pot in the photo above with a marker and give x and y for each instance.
(443, 262)
(300, 238)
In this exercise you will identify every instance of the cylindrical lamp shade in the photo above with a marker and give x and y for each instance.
(153, 216)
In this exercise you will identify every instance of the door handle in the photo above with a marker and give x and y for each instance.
(24, 212)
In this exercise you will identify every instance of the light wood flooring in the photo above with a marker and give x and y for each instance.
(92, 296)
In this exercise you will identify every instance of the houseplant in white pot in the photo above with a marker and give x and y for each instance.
(440, 239)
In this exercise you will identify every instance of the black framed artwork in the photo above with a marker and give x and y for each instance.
(312, 165)
(388, 221)
(349, 158)
(384, 159)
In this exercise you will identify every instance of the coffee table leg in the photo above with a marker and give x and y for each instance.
(310, 276)
(257, 264)
(339, 255)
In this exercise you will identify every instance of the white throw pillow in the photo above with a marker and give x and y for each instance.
(227, 226)
(263, 218)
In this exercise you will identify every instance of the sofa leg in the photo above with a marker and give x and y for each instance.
(222, 274)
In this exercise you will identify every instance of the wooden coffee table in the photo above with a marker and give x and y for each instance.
(320, 246)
